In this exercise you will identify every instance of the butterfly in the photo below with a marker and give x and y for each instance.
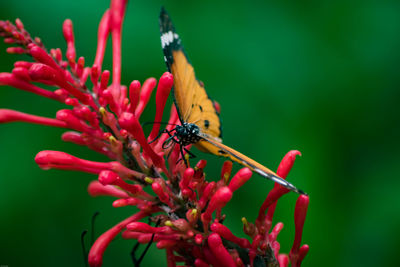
(200, 122)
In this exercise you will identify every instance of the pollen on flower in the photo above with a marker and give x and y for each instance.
(104, 115)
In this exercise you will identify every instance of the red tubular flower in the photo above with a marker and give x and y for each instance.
(111, 178)
(224, 232)
(8, 115)
(270, 202)
(221, 197)
(96, 252)
(207, 193)
(106, 118)
(141, 227)
(283, 260)
(226, 171)
(145, 94)
(129, 122)
(299, 217)
(15, 81)
(200, 263)
(55, 159)
(170, 258)
(239, 179)
(219, 251)
(164, 87)
(69, 38)
(131, 201)
(134, 94)
(162, 195)
(97, 189)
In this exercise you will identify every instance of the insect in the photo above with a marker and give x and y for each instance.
(200, 123)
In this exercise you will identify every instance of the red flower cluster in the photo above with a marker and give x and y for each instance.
(105, 118)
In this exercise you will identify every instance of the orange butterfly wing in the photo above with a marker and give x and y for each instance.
(220, 149)
(190, 97)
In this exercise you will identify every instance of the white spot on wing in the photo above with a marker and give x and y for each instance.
(167, 38)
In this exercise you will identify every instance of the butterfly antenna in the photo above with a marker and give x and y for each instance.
(92, 226)
(136, 262)
(133, 254)
(84, 251)
(158, 122)
(160, 132)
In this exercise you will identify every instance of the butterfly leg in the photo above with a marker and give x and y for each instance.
(191, 155)
(159, 134)
(167, 143)
(183, 156)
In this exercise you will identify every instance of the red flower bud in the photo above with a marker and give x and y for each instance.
(299, 218)
(109, 98)
(95, 257)
(69, 38)
(218, 200)
(97, 189)
(105, 76)
(192, 216)
(39, 71)
(165, 244)
(141, 227)
(129, 201)
(181, 225)
(55, 159)
(287, 163)
(130, 123)
(21, 73)
(164, 87)
(11, 80)
(187, 177)
(80, 66)
(217, 106)
(283, 260)
(16, 50)
(19, 24)
(162, 195)
(72, 121)
(302, 253)
(110, 178)
(219, 251)
(8, 115)
(278, 191)
(224, 232)
(198, 239)
(134, 95)
(201, 164)
(41, 56)
(274, 233)
(226, 171)
(200, 263)
(145, 94)
(207, 193)
(23, 64)
(241, 177)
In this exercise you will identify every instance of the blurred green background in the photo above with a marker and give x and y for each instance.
(318, 76)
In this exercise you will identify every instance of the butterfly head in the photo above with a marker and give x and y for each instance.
(187, 133)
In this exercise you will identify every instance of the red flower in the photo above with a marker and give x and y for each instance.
(105, 117)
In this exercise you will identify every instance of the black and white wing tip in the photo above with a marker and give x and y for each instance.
(283, 183)
(170, 40)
